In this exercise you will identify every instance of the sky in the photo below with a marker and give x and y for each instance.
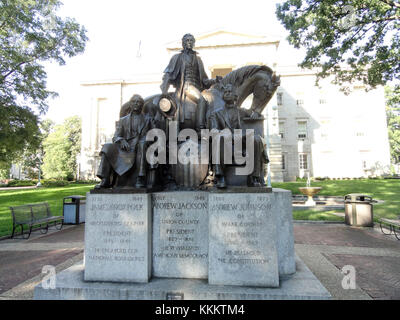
(116, 28)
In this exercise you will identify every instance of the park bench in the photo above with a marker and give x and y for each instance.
(392, 225)
(32, 215)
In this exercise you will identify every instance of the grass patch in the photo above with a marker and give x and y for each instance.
(53, 195)
(316, 215)
(387, 190)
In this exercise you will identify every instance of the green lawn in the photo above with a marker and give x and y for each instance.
(315, 215)
(387, 190)
(54, 196)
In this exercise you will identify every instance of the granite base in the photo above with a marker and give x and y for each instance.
(302, 285)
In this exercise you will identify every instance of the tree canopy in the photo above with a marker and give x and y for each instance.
(61, 148)
(355, 40)
(30, 33)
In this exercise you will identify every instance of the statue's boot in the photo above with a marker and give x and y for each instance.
(105, 183)
(140, 182)
(254, 182)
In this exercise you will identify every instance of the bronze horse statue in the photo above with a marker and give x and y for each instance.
(258, 80)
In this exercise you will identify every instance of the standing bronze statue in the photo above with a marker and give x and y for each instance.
(186, 73)
(127, 154)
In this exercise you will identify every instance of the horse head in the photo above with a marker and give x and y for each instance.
(258, 80)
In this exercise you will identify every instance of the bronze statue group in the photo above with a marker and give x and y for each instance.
(198, 103)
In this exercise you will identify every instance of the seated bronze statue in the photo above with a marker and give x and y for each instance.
(127, 154)
(229, 117)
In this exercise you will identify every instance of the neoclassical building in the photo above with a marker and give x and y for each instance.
(312, 130)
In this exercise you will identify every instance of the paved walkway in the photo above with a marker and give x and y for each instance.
(17, 188)
(324, 247)
(327, 248)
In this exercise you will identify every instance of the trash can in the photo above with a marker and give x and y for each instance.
(74, 209)
(358, 210)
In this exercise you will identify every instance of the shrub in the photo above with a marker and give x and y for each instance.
(87, 181)
(55, 183)
(21, 183)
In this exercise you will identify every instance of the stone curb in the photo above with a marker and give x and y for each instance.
(5, 237)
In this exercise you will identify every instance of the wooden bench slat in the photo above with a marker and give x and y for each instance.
(390, 221)
(49, 219)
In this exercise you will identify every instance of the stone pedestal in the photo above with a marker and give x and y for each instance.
(70, 286)
(236, 238)
(310, 202)
(180, 234)
(230, 238)
(282, 206)
(223, 245)
(118, 237)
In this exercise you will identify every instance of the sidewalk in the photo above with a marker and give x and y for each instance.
(17, 188)
(327, 248)
(21, 261)
(324, 248)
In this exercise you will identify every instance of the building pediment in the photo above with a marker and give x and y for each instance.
(222, 38)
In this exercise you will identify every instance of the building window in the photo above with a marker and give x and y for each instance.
(302, 129)
(303, 163)
(280, 98)
(222, 72)
(300, 102)
(283, 162)
(325, 128)
(282, 129)
(364, 164)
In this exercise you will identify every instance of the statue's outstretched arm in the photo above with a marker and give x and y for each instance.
(165, 84)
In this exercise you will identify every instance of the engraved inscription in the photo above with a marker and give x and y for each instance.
(180, 244)
(240, 253)
(178, 228)
(241, 231)
(116, 237)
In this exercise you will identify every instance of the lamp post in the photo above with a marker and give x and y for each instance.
(38, 185)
